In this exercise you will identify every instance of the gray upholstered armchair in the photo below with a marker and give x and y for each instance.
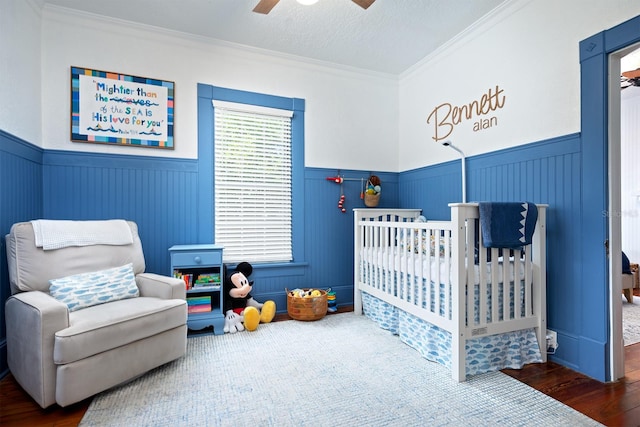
(64, 342)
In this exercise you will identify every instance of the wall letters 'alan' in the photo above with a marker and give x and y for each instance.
(446, 117)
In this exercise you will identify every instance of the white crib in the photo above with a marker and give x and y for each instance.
(437, 276)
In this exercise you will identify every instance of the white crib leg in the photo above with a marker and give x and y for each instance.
(357, 300)
(458, 358)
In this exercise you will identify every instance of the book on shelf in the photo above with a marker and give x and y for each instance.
(186, 277)
(198, 309)
(201, 281)
(199, 300)
(208, 278)
(201, 304)
(205, 287)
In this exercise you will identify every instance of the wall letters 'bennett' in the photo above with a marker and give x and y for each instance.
(446, 117)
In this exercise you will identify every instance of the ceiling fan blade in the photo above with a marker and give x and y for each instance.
(364, 3)
(634, 74)
(265, 6)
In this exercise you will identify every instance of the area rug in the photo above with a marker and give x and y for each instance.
(339, 371)
(631, 321)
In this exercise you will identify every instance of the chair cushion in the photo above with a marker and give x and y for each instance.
(103, 327)
(88, 289)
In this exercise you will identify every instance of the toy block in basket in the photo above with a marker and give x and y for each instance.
(306, 304)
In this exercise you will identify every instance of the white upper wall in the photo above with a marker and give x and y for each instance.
(529, 50)
(354, 119)
(20, 69)
(346, 109)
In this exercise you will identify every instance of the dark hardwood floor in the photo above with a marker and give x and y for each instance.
(612, 404)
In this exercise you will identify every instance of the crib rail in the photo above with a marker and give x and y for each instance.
(401, 259)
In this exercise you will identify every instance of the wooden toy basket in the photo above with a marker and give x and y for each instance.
(307, 308)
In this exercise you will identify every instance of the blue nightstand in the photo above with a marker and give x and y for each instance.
(201, 267)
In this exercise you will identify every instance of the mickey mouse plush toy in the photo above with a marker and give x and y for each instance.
(241, 310)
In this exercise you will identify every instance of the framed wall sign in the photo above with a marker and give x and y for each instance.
(118, 109)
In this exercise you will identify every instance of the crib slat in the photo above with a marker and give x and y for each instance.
(385, 279)
(396, 277)
(408, 264)
(470, 277)
(482, 286)
(495, 303)
(369, 252)
(430, 279)
(396, 262)
(438, 279)
(418, 282)
(361, 259)
(447, 267)
(375, 268)
(528, 280)
(518, 298)
(506, 285)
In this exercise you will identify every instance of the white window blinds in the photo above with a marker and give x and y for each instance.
(252, 183)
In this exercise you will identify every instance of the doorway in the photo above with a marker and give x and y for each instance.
(622, 197)
(630, 189)
(601, 191)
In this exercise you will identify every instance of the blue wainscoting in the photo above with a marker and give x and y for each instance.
(329, 232)
(159, 194)
(328, 250)
(544, 172)
(432, 189)
(162, 195)
(547, 172)
(20, 200)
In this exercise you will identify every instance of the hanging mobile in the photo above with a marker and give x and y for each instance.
(341, 201)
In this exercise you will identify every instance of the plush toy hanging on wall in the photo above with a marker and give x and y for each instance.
(241, 310)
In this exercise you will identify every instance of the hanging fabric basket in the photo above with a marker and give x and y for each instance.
(371, 200)
(372, 193)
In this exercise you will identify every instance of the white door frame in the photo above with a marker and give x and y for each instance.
(615, 214)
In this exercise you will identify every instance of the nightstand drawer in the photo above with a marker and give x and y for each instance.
(194, 259)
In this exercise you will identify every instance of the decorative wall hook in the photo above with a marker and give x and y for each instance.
(337, 179)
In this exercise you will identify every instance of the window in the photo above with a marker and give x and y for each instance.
(205, 204)
(253, 182)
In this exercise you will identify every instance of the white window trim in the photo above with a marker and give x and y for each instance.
(249, 108)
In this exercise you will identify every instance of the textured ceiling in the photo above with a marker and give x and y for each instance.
(389, 37)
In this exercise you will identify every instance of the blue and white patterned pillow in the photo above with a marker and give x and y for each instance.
(98, 287)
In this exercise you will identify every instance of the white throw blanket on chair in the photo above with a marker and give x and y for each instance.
(56, 234)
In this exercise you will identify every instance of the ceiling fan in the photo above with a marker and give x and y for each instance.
(265, 6)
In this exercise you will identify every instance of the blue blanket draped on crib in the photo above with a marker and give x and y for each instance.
(507, 224)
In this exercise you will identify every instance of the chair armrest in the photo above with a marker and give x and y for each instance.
(165, 287)
(32, 320)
